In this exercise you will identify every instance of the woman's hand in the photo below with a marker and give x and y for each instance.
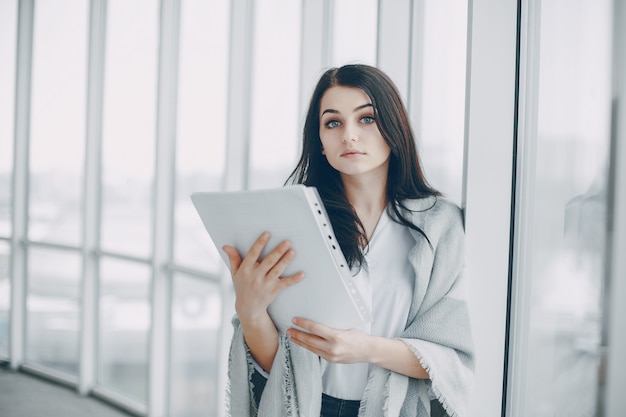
(258, 281)
(351, 346)
(337, 346)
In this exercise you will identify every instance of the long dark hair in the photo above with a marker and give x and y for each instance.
(405, 178)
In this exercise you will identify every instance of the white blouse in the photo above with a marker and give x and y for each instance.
(386, 285)
(389, 276)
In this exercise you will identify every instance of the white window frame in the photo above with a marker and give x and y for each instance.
(614, 400)
(19, 210)
(487, 191)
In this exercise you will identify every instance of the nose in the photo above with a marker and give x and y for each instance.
(350, 133)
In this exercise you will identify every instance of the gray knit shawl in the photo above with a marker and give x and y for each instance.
(437, 332)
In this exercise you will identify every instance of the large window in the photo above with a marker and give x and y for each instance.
(354, 32)
(196, 320)
(53, 309)
(58, 121)
(437, 102)
(201, 136)
(275, 126)
(196, 323)
(128, 131)
(57, 128)
(563, 211)
(123, 329)
(128, 159)
(8, 28)
(5, 298)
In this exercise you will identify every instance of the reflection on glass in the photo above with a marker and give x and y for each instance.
(201, 139)
(128, 133)
(196, 320)
(440, 116)
(124, 323)
(57, 120)
(355, 24)
(275, 132)
(5, 298)
(8, 28)
(53, 309)
(565, 236)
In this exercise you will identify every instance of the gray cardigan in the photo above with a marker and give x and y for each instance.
(438, 333)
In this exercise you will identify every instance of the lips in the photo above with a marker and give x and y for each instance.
(352, 152)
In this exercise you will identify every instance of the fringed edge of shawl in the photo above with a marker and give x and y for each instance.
(444, 402)
(288, 387)
(386, 398)
(364, 401)
(228, 390)
(227, 399)
(253, 407)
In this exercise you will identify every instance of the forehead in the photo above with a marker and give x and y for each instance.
(343, 99)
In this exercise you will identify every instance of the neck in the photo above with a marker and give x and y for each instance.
(367, 195)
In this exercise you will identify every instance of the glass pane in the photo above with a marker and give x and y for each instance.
(201, 140)
(440, 115)
(196, 320)
(129, 125)
(355, 31)
(5, 298)
(275, 132)
(8, 28)
(58, 120)
(124, 326)
(564, 237)
(53, 309)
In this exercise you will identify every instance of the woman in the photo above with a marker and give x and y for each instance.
(403, 241)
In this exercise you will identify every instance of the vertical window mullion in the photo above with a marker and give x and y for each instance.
(239, 101)
(164, 207)
(91, 196)
(19, 212)
(614, 402)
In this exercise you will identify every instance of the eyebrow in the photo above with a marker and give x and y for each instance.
(362, 106)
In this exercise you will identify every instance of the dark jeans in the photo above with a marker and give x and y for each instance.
(335, 407)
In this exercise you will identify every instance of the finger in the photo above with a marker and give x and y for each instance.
(257, 247)
(278, 259)
(234, 258)
(275, 264)
(314, 327)
(307, 340)
(290, 280)
(298, 339)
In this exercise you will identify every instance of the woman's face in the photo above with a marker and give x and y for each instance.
(351, 141)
